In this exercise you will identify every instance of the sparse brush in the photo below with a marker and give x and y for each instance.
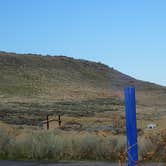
(145, 146)
(6, 142)
(50, 145)
(153, 147)
(70, 146)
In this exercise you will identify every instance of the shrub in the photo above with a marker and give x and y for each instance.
(6, 142)
(72, 146)
(35, 145)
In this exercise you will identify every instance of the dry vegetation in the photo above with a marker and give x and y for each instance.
(60, 145)
(89, 96)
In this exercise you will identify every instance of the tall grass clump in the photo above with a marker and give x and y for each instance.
(35, 145)
(153, 147)
(6, 142)
(60, 145)
(145, 146)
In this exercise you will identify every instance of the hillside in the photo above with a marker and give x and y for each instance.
(34, 75)
(63, 84)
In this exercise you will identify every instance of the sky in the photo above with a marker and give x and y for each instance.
(129, 35)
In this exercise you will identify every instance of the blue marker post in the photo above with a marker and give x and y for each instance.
(131, 126)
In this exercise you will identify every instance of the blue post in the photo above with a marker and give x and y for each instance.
(131, 126)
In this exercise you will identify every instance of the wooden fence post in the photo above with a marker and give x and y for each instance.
(47, 122)
(59, 120)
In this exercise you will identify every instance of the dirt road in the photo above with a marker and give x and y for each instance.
(28, 163)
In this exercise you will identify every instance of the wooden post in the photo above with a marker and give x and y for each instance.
(47, 122)
(59, 120)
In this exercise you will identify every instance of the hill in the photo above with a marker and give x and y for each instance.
(59, 83)
(34, 75)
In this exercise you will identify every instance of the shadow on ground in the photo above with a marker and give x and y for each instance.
(28, 163)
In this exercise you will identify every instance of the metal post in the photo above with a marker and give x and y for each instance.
(131, 125)
(47, 123)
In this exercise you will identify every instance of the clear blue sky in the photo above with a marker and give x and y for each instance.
(129, 35)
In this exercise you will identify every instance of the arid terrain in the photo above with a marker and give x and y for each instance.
(89, 98)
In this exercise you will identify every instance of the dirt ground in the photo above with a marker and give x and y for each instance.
(28, 163)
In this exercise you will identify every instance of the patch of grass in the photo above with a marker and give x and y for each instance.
(51, 145)
(58, 145)
(153, 147)
(6, 141)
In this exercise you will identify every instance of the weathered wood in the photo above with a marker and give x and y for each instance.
(59, 120)
(47, 122)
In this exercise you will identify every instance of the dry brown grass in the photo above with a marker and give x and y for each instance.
(31, 143)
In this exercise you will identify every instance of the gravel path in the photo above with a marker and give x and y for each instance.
(29, 163)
